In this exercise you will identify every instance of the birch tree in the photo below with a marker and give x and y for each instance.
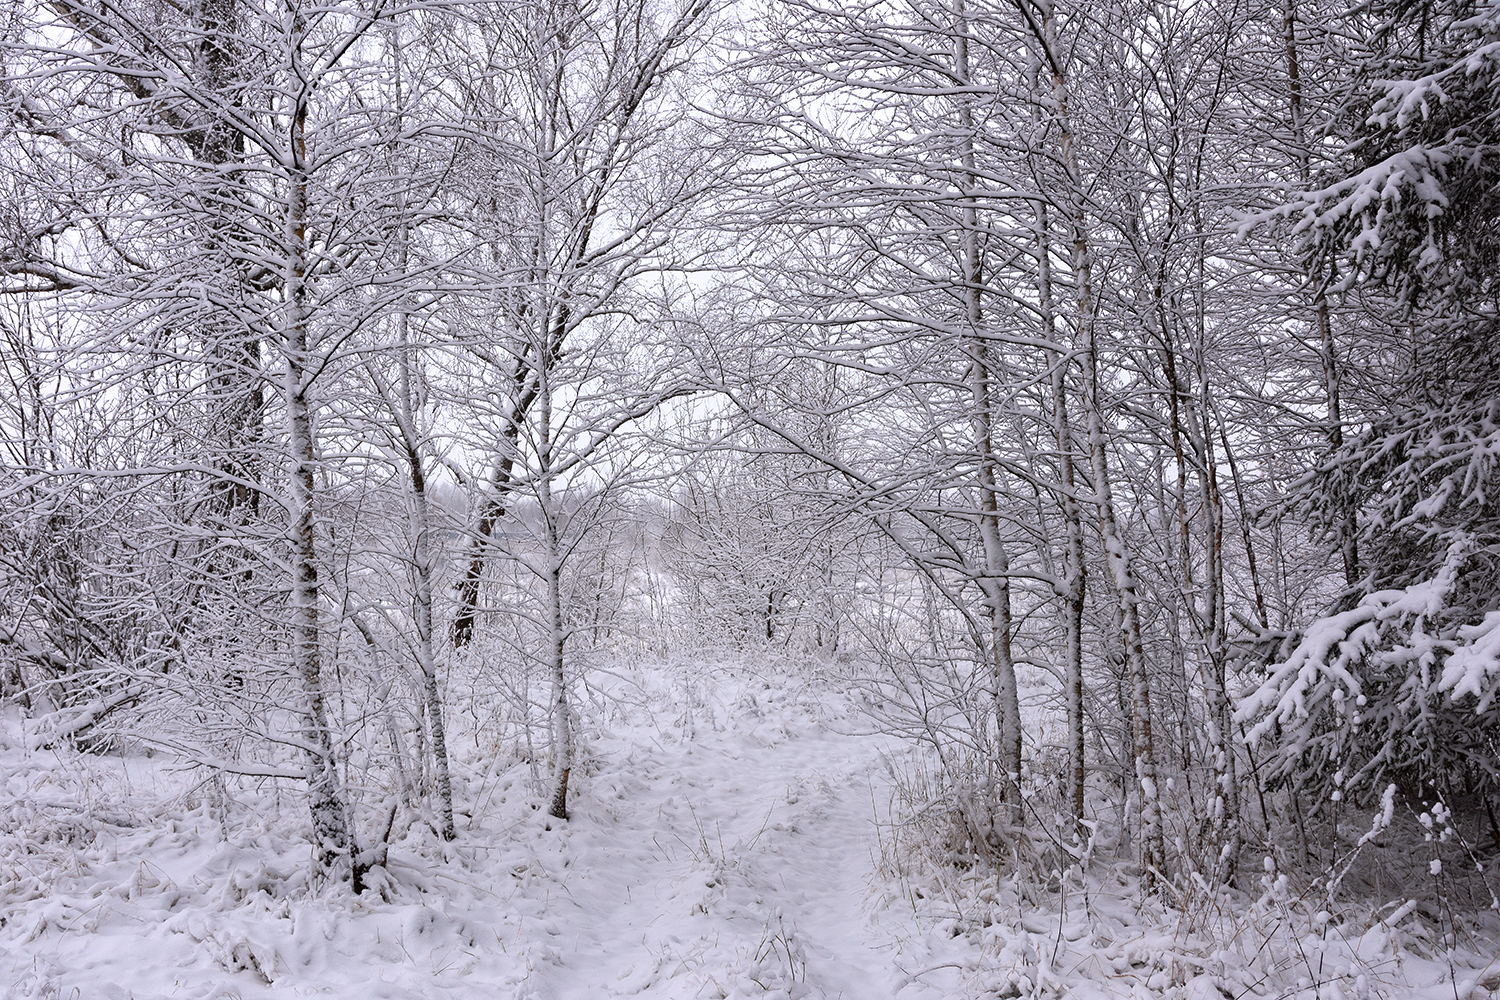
(888, 139)
(204, 223)
(1023, 185)
(579, 196)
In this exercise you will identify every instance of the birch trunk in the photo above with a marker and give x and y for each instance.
(333, 845)
(493, 507)
(423, 559)
(1117, 554)
(405, 409)
(1072, 590)
(1225, 812)
(995, 582)
(561, 714)
(1227, 831)
(234, 355)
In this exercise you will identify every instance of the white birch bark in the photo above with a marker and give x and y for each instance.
(424, 558)
(995, 581)
(560, 713)
(1116, 551)
(334, 852)
(1072, 588)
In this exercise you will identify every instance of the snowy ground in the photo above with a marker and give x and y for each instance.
(729, 838)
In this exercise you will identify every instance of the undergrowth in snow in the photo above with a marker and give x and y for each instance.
(735, 832)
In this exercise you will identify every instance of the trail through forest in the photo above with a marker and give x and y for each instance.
(734, 862)
(729, 839)
(723, 842)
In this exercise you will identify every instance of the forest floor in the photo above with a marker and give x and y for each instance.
(730, 837)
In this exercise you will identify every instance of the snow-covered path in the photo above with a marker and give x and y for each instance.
(725, 842)
(722, 843)
(736, 862)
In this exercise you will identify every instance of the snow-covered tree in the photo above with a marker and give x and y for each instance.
(216, 240)
(577, 194)
(1399, 682)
